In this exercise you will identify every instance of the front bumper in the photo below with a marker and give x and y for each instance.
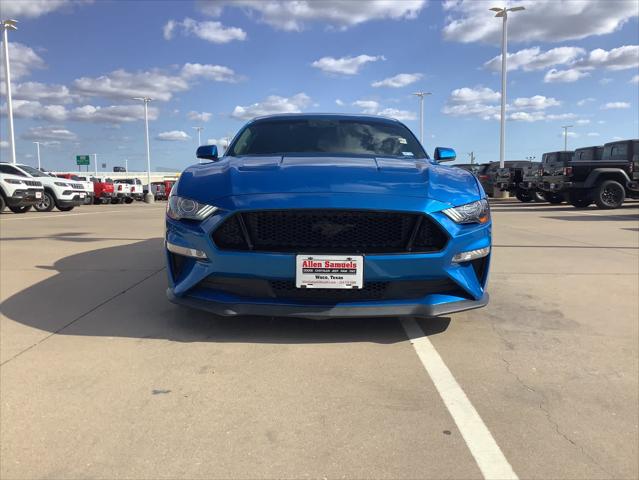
(25, 197)
(73, 200)
(186, 283)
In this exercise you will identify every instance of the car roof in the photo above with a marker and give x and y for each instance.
(326, 116)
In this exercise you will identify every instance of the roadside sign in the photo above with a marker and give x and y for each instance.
(104, 165)
(82, 160)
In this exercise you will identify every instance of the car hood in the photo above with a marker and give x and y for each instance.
(232, 176)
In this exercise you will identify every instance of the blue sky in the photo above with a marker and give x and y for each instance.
(75, 65)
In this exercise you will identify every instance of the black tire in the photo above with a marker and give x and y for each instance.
(128, 200)
(88, 200)
(96, 201)
(554, 198)
(20, 209)
(538, 196)
(2, 203)
(115, 201)
(46, 204)
(66, 209)
(580, 199)
(523, 196)
(610, 195)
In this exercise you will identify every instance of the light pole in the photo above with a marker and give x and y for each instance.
(6, 26)
(38, 152)
(126, 164)
(421, 96)
(148, 198)
(199, 138)
(95, 161)
(566, 127)
(503, 13)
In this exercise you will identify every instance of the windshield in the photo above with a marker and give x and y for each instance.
(34, 172)
(330, 136)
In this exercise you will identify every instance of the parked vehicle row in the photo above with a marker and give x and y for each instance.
(23, 187)
(604, 175)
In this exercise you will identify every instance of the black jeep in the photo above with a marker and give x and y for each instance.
(554, 174)
(511, 179)
(606, 180)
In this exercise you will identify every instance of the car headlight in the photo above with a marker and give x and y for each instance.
(474, 212)
(61, 184)
(13, 181)
(179, 208)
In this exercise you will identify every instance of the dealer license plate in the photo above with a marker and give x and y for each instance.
(82, 195)
(38, 194)
(329, 271)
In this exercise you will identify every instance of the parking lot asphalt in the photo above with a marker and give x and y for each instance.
(101, 377)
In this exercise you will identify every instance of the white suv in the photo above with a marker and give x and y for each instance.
(58, 192)
(86, 182)
(17, 191)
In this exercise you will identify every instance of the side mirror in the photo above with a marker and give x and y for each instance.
(207, 152)
(444, 154)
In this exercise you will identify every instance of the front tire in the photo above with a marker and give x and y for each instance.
(538, 197)
(580, 199)
(20, 209)
(610, 195)
(128, 200)
(2, 203)
(553, 198)
(46, 204)
(523, 196)
(66, 209)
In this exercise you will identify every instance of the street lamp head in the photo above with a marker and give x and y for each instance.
(10, 24)
(497, 9)
(516, 9)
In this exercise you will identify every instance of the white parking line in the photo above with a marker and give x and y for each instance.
(42, 216)
(489, 457)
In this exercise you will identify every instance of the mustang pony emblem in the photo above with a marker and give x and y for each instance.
(330, 229)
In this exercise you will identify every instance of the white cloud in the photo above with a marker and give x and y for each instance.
(36, 110)
(220, 142)
(476, 94)
(271, 105)
(293, 16)
(35, 8)
(537, 102)
(605, 81)
(173, 136)
(592, 134)
(620, 58)
(401, 115)
(583, 121)
(369, 107)
(635, 79)
(399, 80)
(564, 76)
(111, 114)
(217, 73)
(49, 133)
(344, 65)
(42, 92)
(584, 101)
(23, 60)
(199, 116)
(533, 58)
(615, 105)
(543, 20)
(159, 85)
(339, 102)
(213, 32)
(4, 144)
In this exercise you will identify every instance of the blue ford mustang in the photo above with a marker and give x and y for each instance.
(322, 216)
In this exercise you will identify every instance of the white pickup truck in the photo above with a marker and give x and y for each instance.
(135, 187)
(17, 191)
(121, 192)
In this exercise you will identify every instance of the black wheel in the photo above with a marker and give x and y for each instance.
(554, 198)
(580, 199)
(96, 201)
(2, 203)
(128, 200)
(20, 209)
(610, 194)
(523, 196)
(88, 200)
(45, 204)
(115, 201)
(66, 209)
(538, 196)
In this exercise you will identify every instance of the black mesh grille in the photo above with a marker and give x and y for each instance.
(330, 231)
(286, 290)
(32, 183)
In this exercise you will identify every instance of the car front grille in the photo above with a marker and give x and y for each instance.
(330, 231)
(32, 183)
(77, 186)
(285, 290)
